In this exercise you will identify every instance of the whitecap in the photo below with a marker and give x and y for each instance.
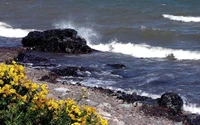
(7, 30)
(182, 18)
(146, 51)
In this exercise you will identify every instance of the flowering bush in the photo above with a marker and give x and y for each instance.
(25, 102)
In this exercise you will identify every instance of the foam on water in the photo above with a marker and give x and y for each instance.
(86, 32)
(8, 31)
(146, 51)
(193, 108)
(182, 18)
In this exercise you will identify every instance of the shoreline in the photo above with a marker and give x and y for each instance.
(117, 110)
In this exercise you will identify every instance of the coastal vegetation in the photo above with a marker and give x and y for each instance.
(25, 102)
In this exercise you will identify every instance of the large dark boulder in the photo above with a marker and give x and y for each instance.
(171, 101)
(56, 40)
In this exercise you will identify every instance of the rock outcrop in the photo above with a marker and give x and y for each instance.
(56, 40)
(171, 101)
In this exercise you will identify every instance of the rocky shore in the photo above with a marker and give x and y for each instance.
(117, 111)
(118, 107)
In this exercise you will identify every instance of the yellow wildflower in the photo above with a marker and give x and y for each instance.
(1, 82)
(34, 86)
(76, 123)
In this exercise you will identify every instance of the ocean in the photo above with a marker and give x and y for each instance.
(137, 33)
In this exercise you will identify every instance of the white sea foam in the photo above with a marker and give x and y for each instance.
(193, 108)
(8, 31)
(182, 18)
(86, 32)
(146, 51)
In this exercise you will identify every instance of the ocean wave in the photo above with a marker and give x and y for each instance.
(146, 51)
(156, 34)
(182, 18)
(193, 108)
(7, 30)
(136, 50)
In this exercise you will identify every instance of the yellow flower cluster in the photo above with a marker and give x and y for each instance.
(15, 87)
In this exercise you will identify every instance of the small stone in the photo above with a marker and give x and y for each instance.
(178, 123)
(126, 105)
(105, 105)
(64, 90)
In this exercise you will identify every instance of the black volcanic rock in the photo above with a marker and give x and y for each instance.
(117, 66)
(57, 40)
(171, 101)
(70, 71)
(193, 119)
(30, 57)
(130, 98)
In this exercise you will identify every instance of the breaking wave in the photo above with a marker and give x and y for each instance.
(146, 51)
(86, 32)
(182, 18)
(7, 30)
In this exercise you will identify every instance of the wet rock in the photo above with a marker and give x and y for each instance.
(171, 57)
(104, 90)
(193, 119)
(56, 40)
(70, 71)
(171, 101)
(117, 66)
(51, 77)
(30, 57)
(130, 98)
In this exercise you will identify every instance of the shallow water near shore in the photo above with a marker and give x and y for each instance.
(137, 34)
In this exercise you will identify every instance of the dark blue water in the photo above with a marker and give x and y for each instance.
(138, 34)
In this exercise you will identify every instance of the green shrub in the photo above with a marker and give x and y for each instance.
(25, 102)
